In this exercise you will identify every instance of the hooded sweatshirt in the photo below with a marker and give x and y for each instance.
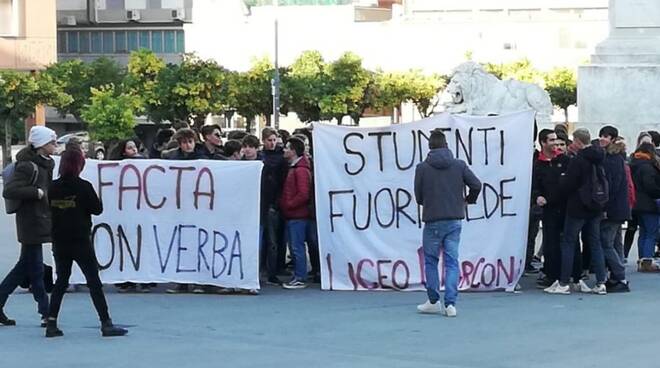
(578, 174)
(440, 183)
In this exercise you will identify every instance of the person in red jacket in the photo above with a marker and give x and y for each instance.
(294, 204)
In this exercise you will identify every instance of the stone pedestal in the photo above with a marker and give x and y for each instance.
(621, 86)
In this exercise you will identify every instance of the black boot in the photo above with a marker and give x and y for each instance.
(4, 320)
(108, 329)
(52, 330)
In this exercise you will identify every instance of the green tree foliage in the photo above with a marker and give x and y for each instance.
(20, 93)
(347, 88)
(307, 80)
(561, 85)
(110, 114)
(141, 78)
(521, 70)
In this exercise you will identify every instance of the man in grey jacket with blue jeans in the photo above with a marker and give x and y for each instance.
(440, 183)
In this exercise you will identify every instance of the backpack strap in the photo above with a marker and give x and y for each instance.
(35, 174)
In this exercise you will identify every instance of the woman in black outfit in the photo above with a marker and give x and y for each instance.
(72, 202)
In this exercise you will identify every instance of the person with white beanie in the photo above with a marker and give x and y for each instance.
(29, 184)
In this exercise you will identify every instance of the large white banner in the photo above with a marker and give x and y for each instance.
(177, 221)
(369, 224)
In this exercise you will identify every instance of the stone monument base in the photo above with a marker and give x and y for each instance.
(624, 95)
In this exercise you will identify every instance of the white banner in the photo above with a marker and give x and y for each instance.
(177, 221)
(369, 225)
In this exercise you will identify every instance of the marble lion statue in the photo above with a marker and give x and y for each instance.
(474, 91)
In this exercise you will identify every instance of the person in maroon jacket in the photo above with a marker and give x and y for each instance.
(294, 204)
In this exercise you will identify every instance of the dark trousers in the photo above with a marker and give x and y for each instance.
(533, 231)
(83, 254)
(608, 232)
(30, 264)
(271, 239)
(313, 248)
(553, 224)
(629, 238)
(570, 241)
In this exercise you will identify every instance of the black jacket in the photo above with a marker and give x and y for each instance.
(204, 151)
(545, 181)
(73, 201)
(272, 177)
(440, 183)
(578, 174)
(178, 154)
(33, 220)
(618, 208)
(646, 176)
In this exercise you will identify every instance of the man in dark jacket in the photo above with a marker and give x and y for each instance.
(33, 218)
(294, 204)
(617, 209)
(188, 148)
(440, 183)
(549, 166)
(581, 216)
(272, 179)
(212, 146)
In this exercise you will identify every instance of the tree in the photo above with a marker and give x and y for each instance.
(307, 80)
(110, 114)
(398, 87)
(20, 93)
(77, 78)
(561, 85)
(347, 86)
(521, 70)
(187, 93)
(141, 77)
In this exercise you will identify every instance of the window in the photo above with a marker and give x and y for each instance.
(157, 41)
(72, 42)
(108, 42)
(8, 18)
(170, 46)
(61, 42)
(180, 42)
(132, 40)
(84, 42)
(97, 43)
(144, 40)
(120, 42)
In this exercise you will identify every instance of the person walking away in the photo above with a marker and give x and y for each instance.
(73, 202)
(29, 184)
(440, 183)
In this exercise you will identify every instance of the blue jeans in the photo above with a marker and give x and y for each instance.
(297, 234)
(648, 229)
(30, 264)
(591, 233)
(445, 234)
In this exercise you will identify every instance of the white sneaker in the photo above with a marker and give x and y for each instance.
(599, 289)
(582, 287)
(557, 288)
(449, 311)
(429, 308)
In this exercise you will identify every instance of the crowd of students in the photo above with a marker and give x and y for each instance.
(583, 192)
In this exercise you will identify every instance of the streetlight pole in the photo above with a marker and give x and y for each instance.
(275, 82)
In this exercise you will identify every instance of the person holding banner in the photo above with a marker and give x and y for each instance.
(440, 183)
(73, 201)
(33, 173)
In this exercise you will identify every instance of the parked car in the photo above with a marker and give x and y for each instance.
(94, 150)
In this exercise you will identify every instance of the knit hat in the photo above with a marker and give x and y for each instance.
(41, 136)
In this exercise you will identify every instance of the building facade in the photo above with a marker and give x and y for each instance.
(27, 34)
(88, 29)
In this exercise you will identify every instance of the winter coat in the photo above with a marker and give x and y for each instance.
(72, 201)
(579, 173)
(646, 176)
(440, 183)
(272, 177)
(545, 180)
(216, 155)
(296, 193)
(618, 204)
(33, 218)
(178, 154)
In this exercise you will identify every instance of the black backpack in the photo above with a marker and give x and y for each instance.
(595, 192)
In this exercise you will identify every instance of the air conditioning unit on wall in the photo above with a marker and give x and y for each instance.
(133, 15)
(179, 14)
(69, 20)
